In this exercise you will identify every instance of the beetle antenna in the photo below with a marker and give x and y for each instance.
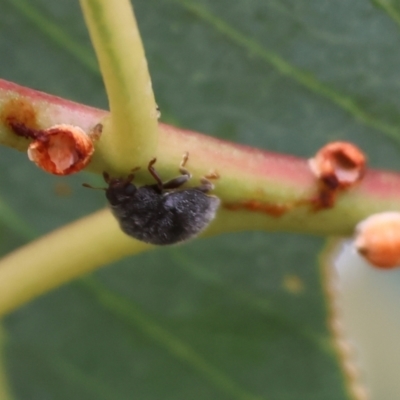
(86, 185)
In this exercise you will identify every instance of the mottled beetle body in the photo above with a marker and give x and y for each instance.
(162, 213)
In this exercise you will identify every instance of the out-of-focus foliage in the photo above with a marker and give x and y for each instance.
(235, 317)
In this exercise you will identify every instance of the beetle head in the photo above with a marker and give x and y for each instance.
(119, 190)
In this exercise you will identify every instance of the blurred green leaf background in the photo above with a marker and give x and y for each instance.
(241, 316)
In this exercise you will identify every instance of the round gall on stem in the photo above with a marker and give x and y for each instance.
(378, 239)
(338, 164)
(61, 149)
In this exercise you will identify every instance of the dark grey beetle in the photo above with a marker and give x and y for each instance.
(162, 213)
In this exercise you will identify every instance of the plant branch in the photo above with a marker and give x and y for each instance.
(131, 132)
(5, 393)
(259, 190)
(60, 256)
(269, 190)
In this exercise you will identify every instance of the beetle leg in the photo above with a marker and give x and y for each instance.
(182, 168)
(176, 182)
(182, 179)
(206, 185)
(154, 173)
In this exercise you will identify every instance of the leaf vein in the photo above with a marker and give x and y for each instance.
(298, 75)
(133, 315)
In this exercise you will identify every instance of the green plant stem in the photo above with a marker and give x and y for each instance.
(59, 257)
(132, 130)
(86, 245)
(4, 385)
(254, 186)
(253, 183)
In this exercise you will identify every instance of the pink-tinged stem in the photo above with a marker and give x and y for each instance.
(258, 189)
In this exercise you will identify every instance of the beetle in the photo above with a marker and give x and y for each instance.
(162, 213)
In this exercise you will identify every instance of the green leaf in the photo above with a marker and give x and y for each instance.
(241, 316)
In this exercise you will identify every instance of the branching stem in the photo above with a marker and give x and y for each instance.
(131, 131)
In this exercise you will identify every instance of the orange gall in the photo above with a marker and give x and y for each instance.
(339, 165)
(378, 239)
(61, 149)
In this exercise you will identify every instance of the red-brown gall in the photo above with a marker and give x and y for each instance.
(61, 149)
(337, 166)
